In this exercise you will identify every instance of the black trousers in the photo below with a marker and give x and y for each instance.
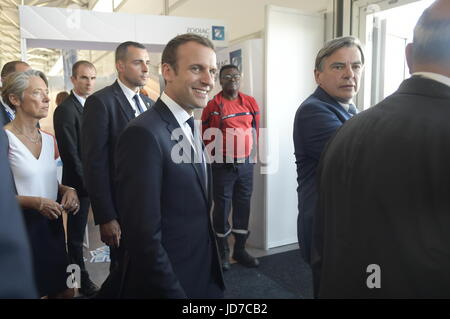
(233, 186)
(76, 226)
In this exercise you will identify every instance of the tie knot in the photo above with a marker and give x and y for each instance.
(190, 121)
(352, 109)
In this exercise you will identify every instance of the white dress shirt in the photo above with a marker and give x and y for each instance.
(182, 116)
(129, 94)
(80, 99)
(434, 76)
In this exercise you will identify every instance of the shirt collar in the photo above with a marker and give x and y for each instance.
(180, 114)
(129, 93)
(434, 76)
(81, 99)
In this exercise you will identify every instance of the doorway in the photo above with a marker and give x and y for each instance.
(385, 28)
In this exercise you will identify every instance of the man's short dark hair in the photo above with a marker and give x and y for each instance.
(80, 63)
(431, 42)
(169, 54)
(122, 49)
(226, 67)
(10, 67)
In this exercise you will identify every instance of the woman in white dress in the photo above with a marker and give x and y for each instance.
(32, 160)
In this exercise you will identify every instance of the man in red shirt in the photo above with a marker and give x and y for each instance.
(230, 131)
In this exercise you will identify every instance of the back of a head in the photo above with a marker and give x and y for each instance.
(431, 44)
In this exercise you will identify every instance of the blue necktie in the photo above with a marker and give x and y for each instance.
(352, 109)
(136, 99)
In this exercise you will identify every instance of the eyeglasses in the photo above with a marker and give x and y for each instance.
(228, 77)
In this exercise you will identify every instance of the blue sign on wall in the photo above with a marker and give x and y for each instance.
(218, 33)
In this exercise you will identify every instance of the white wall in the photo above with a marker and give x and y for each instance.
(243, 17)
(293, 39)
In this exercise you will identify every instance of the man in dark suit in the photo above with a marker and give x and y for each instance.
(6, 113)
(105, 115)
(384, 206)
(67, 124)
(337, 71)
(164, 184)
(16, 272)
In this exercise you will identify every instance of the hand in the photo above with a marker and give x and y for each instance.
(110, 233)
(49, 208)
(70, 201)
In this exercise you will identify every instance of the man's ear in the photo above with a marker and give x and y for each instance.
(119, 66)
(167, 72)
(409, 57)
(317, 76)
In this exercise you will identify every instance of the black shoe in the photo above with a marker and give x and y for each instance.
(245, 259)
(239, 252)
(88, 288)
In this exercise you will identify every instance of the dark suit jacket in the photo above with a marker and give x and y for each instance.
(384, 184)
(16, 272)
(316, 120)
(4, 118)
(165, 214)
(67, 124)
(105, 115)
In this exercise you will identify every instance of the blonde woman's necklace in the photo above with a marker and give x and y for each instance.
(31, 139)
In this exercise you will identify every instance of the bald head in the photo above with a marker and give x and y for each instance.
(439, 10)
(430, 50)
(14, 66)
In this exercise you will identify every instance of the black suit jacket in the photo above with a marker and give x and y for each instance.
(105, 115)
(384, 184)
(4, 118)
(16, 273)
(67, 124)
(165, 213)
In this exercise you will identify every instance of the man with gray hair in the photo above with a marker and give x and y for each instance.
(384, 207)
(338, 69)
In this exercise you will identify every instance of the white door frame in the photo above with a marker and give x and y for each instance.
(359, 26)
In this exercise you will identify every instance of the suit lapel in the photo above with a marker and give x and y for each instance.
(146, 101)
(338, 109)
(123, 101)
(172, 124)
(77, 103)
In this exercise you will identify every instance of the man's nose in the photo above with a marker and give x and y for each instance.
(348, 71)
(208, 78)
